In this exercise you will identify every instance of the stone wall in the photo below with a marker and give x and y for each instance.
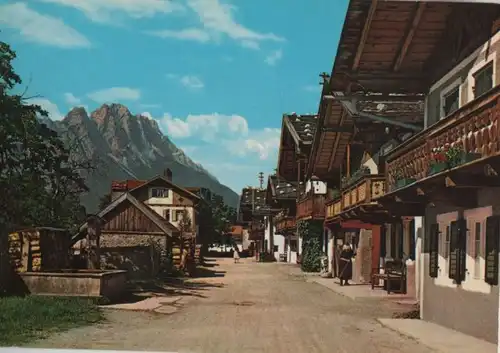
(363, 261)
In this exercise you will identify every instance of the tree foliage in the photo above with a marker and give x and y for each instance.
(216, 219)
(40, 182)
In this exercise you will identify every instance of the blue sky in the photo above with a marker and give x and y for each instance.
(216, 74)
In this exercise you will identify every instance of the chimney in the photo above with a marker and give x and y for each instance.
(168, 174)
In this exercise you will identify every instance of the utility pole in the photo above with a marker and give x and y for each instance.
(261, 180)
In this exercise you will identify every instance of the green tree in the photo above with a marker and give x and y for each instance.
(39, 179)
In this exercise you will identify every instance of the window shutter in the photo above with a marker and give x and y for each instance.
(433, 250)
(491, 250)
(453, 259)
(462, 249)
(458, 241)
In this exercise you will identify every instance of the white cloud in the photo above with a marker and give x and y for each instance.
(230, 131)
(71, 99)
(115, 94)
(192, 82)
(206, 126)
(103, 10)
(193, 34)
(217, 21)
(39, 28)
(274, 57)
(49, 107)
(264, 143)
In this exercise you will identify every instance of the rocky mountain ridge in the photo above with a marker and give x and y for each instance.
(127, 146)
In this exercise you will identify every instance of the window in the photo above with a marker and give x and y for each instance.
(293, 245)
(483, 80)
(159, 192)
(446, 248)
(451, 101)
(177, 215)
(276, 248)
(166, 215)
(477, 250)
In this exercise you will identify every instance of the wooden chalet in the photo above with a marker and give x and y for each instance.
(439, 197)
(282, 195)
(252, 213)
(296, 144)
(147, 221)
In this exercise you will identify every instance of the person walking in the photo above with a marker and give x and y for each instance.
(346, 264)
(236, 255)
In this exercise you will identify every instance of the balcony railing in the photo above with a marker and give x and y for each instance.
(311, 207)
(257, 230)
(364, 191)
(285, 224)
(475, 128)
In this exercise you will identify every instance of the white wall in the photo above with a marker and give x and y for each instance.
(318, 187)
(279, 240)
(331, 246)
(292, 256)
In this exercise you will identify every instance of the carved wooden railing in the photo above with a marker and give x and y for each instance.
(311, 207)
(365, 191)
(285, 223)
(257, 229)
(475, 127)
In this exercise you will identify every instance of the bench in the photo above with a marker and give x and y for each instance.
(283, 257)
(394, 273)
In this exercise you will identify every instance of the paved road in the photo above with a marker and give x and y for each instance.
(249, 307)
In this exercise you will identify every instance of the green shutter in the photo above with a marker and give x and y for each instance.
(453, 259)
(492, 245)
(433, 241)
(462, 249)
(458, 241)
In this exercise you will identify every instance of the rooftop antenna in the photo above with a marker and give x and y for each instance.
(261, 180)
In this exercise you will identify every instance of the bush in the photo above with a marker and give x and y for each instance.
(23, 319)
(312, 235)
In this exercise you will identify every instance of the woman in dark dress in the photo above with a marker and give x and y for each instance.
(346, 264)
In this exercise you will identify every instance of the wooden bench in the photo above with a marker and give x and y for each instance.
(394, 272)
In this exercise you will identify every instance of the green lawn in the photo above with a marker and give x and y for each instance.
(25, 319)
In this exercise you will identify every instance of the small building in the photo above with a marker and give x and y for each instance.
(282, 195)
(145, 224)
(39, 249)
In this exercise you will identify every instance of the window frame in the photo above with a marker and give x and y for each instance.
(445, 92)
(487, 65)
(166, 192)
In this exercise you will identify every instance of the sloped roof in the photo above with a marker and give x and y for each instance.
(169, 183)
(253, 195)
(301, 127)
(282, 189)
(165, 226)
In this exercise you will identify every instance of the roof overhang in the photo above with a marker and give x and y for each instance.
(404, 46)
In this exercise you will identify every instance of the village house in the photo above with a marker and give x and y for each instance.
(297, 133)
(438, 186)
(252, 211)
(145, 223)
(282, 195)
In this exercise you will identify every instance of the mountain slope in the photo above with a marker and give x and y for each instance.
(126, 146)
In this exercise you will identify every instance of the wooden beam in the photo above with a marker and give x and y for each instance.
(409, 36)
(364, 35)
(471, 181)
(337, 140)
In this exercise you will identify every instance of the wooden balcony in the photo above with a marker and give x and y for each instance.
(475, 128)
(364, 192)
(285, 224)
(257, 229)
(311, 207)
